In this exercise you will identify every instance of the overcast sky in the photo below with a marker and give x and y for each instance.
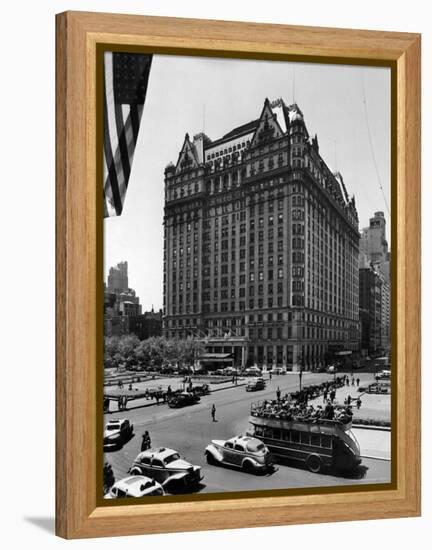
(192, 94)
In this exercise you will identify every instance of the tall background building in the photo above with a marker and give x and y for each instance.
(120, 302)
(375, 287)
(261, 245)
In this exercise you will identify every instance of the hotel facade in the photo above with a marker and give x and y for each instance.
(261, 246)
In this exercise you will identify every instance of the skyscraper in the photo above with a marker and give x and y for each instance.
(261, 245)
(118, 278)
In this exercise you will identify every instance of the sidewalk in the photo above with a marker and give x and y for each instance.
(374, 407)
(374, 443)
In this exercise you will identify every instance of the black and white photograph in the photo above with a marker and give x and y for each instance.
(247, 279)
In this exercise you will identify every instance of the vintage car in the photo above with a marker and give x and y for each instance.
(247, 453)
(183, 399)
(384, 375)
(201, 389)
(278, 370)
(166, 467)
(117, 432)
(135, 486)
(252, 371)
(255, 384)
(230, 371)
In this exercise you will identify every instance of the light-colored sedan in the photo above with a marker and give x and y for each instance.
(135, 486)
(165, 466)
(247, 453)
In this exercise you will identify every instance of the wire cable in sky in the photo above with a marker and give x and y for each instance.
(371, 144)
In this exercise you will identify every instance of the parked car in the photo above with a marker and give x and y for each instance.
(247, 453)
(278, 370)
(168, 369)
(255, 384)
(230, 371)
(218, 372)
(253, 371)
(384, 374)
(183, 399)
(135, 486)
(117, 432)
(167, 468)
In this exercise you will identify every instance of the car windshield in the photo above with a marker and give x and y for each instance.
(171, 458)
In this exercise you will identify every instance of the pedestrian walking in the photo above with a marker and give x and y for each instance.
(358, 382)
(213, 413)
(146, 441)
(270, 375)
(349, 400)
(359, 403)
(352, 381)
(278, 393)
(325, 396)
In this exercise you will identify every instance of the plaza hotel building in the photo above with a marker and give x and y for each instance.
(261, 246)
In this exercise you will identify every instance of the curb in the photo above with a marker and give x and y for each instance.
(154, 404)
(369, 427)
(376, 458)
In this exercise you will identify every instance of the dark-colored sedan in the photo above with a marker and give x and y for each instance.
(183, 399)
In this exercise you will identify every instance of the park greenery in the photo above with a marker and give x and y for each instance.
(129, 352)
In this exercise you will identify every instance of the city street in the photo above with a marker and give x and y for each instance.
(190, 429)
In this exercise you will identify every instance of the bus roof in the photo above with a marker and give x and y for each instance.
(316, 426)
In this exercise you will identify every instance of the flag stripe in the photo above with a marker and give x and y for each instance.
(111, 180)
(122, 146)
(126, 79)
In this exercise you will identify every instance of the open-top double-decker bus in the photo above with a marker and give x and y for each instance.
(319, 443)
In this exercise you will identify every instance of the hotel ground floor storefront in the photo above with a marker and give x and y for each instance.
(291, 355)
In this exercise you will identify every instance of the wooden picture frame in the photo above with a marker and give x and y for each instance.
(78, 295)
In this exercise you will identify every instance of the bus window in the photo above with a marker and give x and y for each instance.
(326, 441)
(295, 436)
(258, 430)
(304, 437)
(268, 433)
(276, 434)
(315, 440)
(286, 435)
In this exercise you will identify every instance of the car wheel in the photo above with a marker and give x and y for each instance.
(314, 463)
(210, 458)
(248, 467)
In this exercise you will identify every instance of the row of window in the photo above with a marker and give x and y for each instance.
(295, 436)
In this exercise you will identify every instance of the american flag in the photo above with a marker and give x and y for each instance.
(126, 78)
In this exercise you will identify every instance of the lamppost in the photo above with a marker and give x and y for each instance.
(300, 376)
